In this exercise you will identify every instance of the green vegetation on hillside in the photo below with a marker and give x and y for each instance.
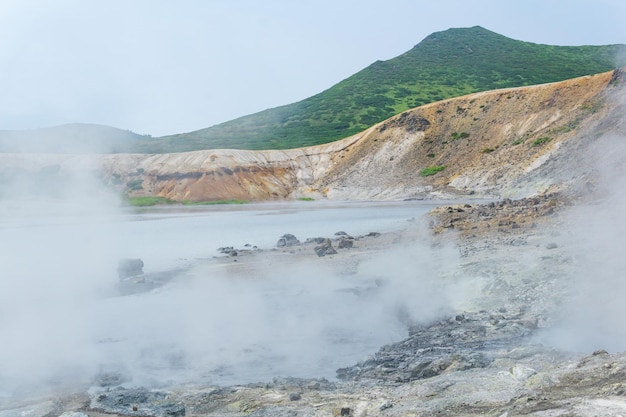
(432, 170)
(146, 201)
(444, 65)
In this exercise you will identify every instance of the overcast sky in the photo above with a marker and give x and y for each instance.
(160, 67)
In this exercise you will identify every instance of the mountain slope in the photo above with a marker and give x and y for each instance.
(503, 143)
(444, 65)
(68, 138)
(515, 142)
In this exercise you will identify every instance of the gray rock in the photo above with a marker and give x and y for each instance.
(317, 240)
(345, 243)
(326, 248)
(386, 405)
(462, 342)
(127, 268)
(287, 240)
(137, 402)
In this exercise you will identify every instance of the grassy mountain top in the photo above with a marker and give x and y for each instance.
(444, 65)
(68, 138)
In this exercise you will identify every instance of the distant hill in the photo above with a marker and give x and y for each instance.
(75, 138)
(446, 64)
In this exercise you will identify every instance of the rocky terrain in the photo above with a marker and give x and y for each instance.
(493, 355)
(503, 348)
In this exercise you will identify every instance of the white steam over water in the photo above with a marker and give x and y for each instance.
(64, 321)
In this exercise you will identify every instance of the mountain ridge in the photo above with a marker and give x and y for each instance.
(436, 68)
(505, 143)
(513, 142)
(446, 64)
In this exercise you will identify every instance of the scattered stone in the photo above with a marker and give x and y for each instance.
(127, 268)
(326, 248)
(386, 405)
(424, 373)
(552, 246)
(317, 240)
(287, 240)
(225, 249)
(137, 402)
(462, 342)
(343, 412)
(345, 243)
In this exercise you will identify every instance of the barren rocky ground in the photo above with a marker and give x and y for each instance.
(526, 267)
(490, 356)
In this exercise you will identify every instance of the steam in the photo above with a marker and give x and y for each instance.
(594, 318)
(302, 319)
(50, 275)
(64, 323)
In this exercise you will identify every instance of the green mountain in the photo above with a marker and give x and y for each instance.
(444, 65)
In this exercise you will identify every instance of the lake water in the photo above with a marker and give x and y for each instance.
(198, 231)
(60, 308)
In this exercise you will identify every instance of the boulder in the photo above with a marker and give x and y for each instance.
(326, 248)
(127, 268)
(345, 243)
(287, 240)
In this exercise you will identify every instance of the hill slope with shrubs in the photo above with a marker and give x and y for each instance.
(445, 64)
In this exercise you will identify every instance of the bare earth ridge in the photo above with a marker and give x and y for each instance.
(498, 143)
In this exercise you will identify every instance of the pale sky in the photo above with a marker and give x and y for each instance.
(162, 66)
